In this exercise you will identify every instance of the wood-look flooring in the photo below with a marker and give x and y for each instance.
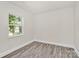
(43, 50)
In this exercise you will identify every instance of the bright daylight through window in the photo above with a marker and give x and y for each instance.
(15, 25)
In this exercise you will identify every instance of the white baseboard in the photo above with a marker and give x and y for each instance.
(11, 50)
(76, 50)
(55, 43)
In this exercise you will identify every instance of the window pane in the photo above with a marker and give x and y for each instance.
(15, 25)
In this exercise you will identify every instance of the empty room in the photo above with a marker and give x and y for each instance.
(39, 29)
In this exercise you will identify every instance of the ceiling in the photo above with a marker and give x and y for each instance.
(42, 6)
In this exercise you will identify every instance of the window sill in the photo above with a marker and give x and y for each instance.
(10, 37)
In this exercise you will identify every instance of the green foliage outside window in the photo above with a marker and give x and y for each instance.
(15, 25)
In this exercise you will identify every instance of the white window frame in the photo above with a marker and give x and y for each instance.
(22, 20)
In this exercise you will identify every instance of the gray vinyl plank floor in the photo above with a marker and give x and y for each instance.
(43, 50)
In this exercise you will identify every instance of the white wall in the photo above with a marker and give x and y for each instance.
(51, 26)
(76, 26)
(55, 26)
(7, 43)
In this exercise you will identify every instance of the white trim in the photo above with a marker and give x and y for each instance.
(64, 45)
(22, 24)
(11, 50)
(59, 45)
(10, 37)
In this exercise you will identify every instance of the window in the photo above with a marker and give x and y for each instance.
(15, 25)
